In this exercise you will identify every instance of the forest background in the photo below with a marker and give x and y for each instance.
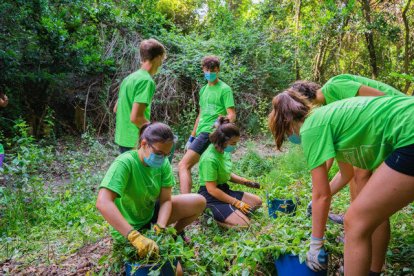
(61, 65)
(62, 62)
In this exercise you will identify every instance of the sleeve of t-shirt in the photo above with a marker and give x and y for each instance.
(318, 146)
(167, 178)
(339, 89)
(228, 99)
(144, 91)
(116, 178)
(208, 170)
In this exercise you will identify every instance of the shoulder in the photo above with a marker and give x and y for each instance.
(223, 85)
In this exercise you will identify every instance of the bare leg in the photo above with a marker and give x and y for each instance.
(386, 192)
(185, 209)
(237, 218)
(253, 200)
(381, 235)
(184, 170)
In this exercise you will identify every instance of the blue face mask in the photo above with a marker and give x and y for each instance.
(294, 138)
(230, 148)
(154, 160)
(210, 76)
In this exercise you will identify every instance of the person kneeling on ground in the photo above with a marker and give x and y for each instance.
(229, 207)
(136, 192)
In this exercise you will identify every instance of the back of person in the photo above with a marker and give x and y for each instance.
(346, 86)
(133, 107)
(137, 87)
(361, 130)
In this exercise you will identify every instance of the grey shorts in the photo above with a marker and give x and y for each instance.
(200, 143)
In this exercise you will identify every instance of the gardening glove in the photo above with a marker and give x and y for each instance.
(316, 258)
(144, 245)
(158, 229)
(252, 184)
(242, 206)
(190, 140)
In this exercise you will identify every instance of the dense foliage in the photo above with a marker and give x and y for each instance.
(64, 60)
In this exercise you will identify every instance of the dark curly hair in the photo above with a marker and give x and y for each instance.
(306, 88)
(210, 62)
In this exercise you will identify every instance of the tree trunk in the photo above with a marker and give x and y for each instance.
(297, 26)
(369, 37)
(406, 45)
(317, 70)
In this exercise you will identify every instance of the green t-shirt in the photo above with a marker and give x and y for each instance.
(361, 131)
(138, 187)
(138, 87)
(214, 166)
(1, 149)
(346, 86)
(214, 101)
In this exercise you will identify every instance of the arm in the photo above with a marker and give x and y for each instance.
(193, 133)
(345, 174)
(115, 106)
(106, 205)
(329, 163)
(165, 207)
(369, 91)
(231, 114)
(321, 200)
(321, 194)
(219, 194)
(238, 179)
(137, 114)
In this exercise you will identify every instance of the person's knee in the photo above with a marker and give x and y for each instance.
(200, 202)
(257, 201)
(355, 226)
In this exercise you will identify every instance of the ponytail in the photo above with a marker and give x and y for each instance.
(224, 132)
(288, 107)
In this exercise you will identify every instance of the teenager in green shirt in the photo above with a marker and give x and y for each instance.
(229, 207)
(133, 107)
(372, 133)
(216, 98)
(338, 88)
(136, 192)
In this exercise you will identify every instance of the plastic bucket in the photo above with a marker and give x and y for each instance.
(137, 269)
(288, 265)
(286, 206)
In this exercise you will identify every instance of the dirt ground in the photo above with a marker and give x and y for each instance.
(83, 262)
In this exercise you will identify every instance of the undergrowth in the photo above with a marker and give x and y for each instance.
(47, 209)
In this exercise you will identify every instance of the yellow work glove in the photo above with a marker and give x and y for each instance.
(158, 229)
(144, 245)
(242, 206)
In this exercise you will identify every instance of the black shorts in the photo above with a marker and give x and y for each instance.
(200, 143)
(220, 209)
(402, 160)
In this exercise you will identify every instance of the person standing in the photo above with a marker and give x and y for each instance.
(133, 107)
(216, 99)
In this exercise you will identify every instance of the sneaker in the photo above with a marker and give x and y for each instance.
(339, 219)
